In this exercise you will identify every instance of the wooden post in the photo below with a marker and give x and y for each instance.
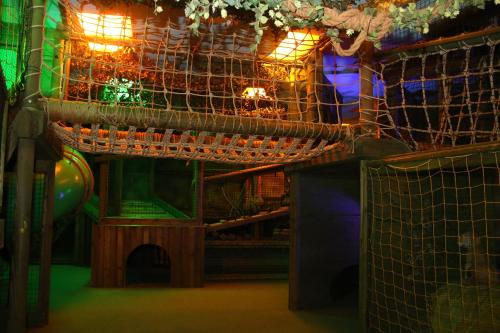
(48, 168)
(234, 175)
(363, 253)
(21, 236)
(366, 101)
(2, 235)
(293, 276)
(3, 141)
(103, 189)
(116, 180)
(313, 102)
(28, 123)
(198, 179)
(293, 94)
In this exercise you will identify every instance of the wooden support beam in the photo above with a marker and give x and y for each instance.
(368, 148)
(440, 43)
(363, 253)
(95, 113)
(103, 189)
(48, 169)
(21, 236)
(244, 173)
(366, 101)
(292, 94)
(449, 151)
(283, 211)
(3, 143)
(2, 235)
(198, 192)
(314, 76)
(294, 264)
(115, 189)
(29, 123)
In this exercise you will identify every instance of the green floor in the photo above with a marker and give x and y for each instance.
(218, 307)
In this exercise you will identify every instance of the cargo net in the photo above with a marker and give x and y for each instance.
(141, 85)
(434, 245)
(443, 95)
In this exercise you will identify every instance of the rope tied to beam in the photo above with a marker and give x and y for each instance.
(353, 18)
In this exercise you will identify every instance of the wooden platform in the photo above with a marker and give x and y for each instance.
(112, 244)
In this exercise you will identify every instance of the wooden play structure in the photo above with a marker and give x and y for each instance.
(115, 236)
(329, 139)
(246, 215)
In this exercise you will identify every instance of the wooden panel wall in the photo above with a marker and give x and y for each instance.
(324, 235)
(112, 244)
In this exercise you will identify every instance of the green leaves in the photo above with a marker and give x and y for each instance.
(275, 12)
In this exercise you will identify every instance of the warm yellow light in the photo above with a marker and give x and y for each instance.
(103, 47)
(252, 92)
(106, 27)
(295, 46)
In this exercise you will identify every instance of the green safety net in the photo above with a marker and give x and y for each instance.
(14, 41)
(54, 32)
(11, 41)
(35, 243)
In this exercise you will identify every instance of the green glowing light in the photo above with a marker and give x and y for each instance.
(9, 66)
(120, 90)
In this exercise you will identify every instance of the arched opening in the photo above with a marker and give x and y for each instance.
(148, 265)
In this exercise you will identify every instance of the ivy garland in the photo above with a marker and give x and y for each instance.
(368, 21)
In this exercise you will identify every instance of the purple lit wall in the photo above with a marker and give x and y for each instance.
(326, 224)
(343, 74)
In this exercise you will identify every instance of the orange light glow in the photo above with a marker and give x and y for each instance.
(103, 47)
(295, 46)
(252, 92)
(106, 27)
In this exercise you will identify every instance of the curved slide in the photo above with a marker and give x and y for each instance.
(74, 183)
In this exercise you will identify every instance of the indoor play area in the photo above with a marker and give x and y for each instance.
(250, 165)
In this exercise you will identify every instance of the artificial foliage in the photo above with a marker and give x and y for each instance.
(370, 20)
(360, 20)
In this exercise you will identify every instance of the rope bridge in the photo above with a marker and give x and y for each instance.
(145, 86)
(140, 85)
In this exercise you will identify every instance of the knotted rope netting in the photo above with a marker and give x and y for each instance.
(141, 85)
(442, 95)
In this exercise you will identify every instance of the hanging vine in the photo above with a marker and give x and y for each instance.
(368, 21)
(361, 20)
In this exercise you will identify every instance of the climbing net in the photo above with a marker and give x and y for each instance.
(432, 232)
(445, 95)
(140, 85)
